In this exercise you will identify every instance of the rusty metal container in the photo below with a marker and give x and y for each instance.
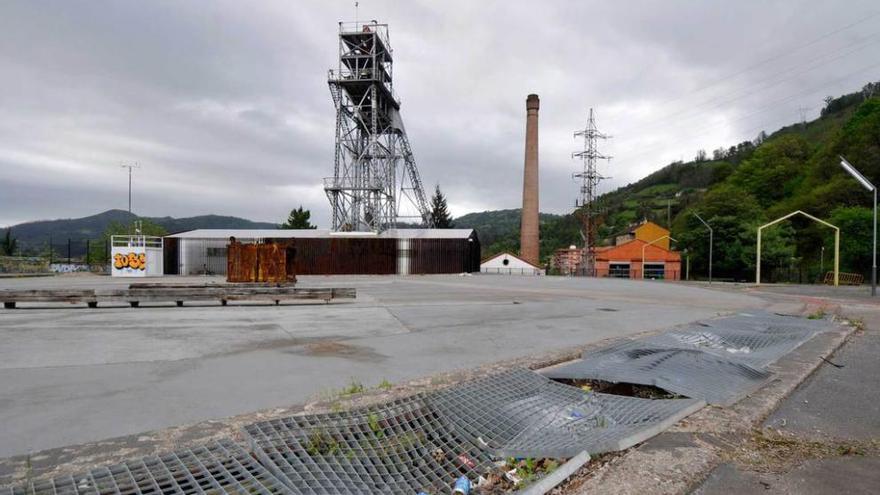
(270, 262)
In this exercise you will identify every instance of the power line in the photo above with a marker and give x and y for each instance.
(744, 92)
(765, 108)
(760, 63)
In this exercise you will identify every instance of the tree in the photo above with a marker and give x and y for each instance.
(298, 219)
(440, 218)
(856, 239)
(9, 244)
(701, 156)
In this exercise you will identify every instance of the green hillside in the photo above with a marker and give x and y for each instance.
(738, 188)
(499, 229)
(33, 237)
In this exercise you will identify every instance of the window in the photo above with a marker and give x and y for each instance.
(618, 270)
(505, 262)
(655, 270)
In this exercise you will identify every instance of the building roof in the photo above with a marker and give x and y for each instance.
(322, 233)
(632, 251)
(509, 255)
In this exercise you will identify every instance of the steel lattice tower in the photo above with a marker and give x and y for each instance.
(375, 179)
(586, 203)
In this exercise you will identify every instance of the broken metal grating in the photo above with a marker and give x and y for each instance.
(721, 360)
(520, 413)
(403, 446)
(688, 372)
(756, 348)
(216, 468)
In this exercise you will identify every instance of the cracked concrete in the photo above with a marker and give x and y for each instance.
(75, 376)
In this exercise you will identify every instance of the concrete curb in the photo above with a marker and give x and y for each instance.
(677, 460)
(550, 481)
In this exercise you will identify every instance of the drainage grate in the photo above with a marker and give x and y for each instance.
(756, 348)
(403, 446)
(219, 467)
(520, 413)
(688, 372)
(721, 360)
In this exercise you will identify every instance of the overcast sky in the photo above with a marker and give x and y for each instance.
(225, 105)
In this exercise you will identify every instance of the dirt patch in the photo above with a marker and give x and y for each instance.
(596, 464)
(341, 350)
(773, 451)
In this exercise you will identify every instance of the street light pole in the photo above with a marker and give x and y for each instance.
(711, 242)
(869, 186)
(129, 167)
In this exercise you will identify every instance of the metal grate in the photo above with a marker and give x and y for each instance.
(756, 348)
(217, 468)
(520, 413)
(403, 446)
(688, 372)
(720, 361)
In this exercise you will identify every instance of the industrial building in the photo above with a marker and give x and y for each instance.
(324, 252)
(645, 242)
(509, 264)
(638, 259)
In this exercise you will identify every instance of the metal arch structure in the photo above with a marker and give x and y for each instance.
(811, 217)
(586, 202)
(375, 178)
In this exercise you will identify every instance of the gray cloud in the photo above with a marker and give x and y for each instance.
(225, 104)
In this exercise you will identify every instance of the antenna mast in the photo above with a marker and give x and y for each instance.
(586, 204)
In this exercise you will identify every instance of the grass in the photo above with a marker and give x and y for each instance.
(354, 387)
(817, 315)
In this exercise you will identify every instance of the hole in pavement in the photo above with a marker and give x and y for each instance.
(624, 389)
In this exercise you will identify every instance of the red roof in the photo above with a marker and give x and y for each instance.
(632, 251)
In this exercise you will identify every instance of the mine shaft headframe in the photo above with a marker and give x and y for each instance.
(374, 170)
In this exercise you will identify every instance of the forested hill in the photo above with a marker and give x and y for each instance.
(738, 188)
(33, 237)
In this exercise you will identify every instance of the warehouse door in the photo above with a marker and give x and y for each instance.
(656, 271)
(618, 270)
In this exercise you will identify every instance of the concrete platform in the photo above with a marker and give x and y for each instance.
(75, 375)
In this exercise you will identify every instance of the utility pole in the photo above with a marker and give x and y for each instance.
(590, 178)
(870, 187)
(711, 242)
(130, 168)
(803, 113)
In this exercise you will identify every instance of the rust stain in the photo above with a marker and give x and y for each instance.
(270, 262)
(342, 350)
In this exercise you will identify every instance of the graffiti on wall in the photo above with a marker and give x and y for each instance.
(131, 260)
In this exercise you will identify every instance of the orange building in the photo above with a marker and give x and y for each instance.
(625, 261)
(646, 231)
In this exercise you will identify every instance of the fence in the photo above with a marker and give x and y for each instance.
(845, 278)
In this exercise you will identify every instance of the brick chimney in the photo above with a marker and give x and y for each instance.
(528, 234)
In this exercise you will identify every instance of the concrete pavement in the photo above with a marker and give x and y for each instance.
(75, 375)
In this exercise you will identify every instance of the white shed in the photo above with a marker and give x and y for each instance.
(509, 264)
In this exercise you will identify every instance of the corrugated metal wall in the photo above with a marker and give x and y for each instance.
(347, 256)
(444, 256)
